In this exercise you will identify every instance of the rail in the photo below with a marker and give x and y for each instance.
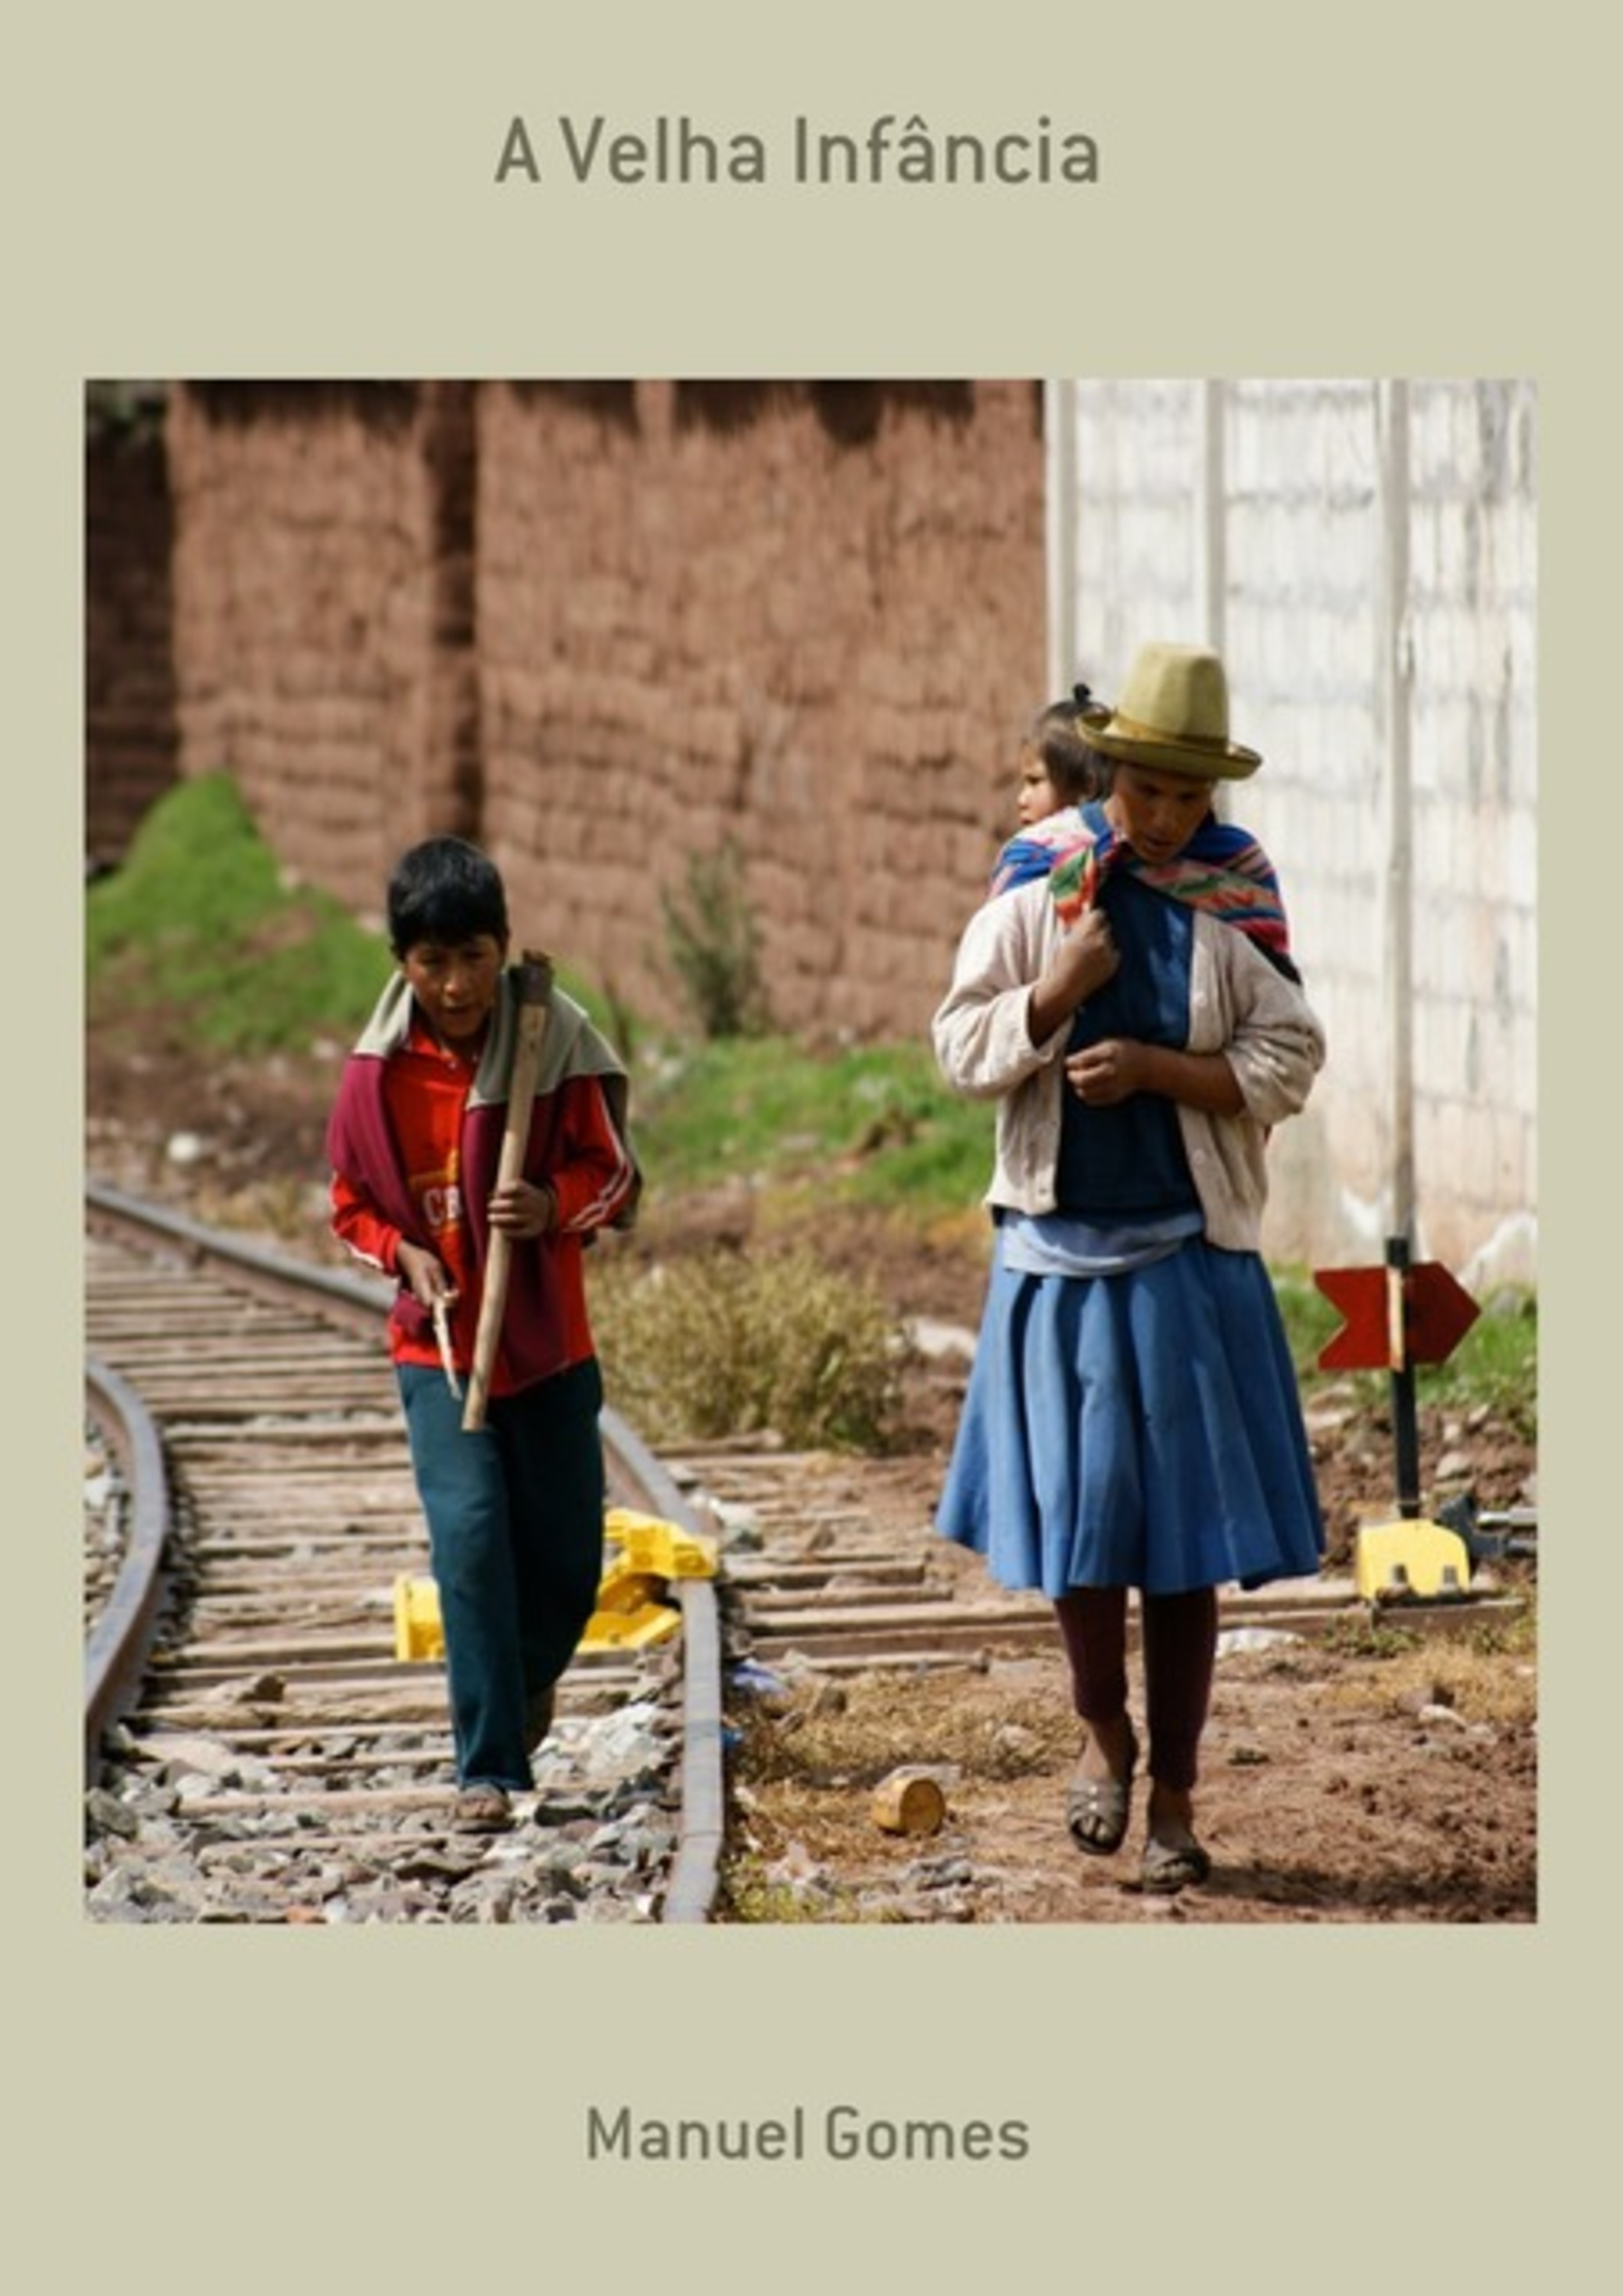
(121, 1640)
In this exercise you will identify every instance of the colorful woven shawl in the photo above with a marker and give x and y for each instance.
(1223, 870)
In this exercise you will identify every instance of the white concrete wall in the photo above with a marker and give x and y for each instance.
(1250, 514)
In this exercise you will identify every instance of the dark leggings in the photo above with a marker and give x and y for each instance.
(1180, 1637)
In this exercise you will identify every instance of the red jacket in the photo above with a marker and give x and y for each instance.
(577, 1143)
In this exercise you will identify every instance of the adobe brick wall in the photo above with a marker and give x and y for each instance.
(808, 618)
(131, 741)
(322, 572)
(601, 627)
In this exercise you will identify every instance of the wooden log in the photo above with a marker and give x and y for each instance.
(534, 986)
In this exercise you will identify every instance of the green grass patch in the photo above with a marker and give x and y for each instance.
(199, 927)
(872, 1125)
(200, 933)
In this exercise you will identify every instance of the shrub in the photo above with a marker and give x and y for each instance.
(723, 1343)
(714, 943)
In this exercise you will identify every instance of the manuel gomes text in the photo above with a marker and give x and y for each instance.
(836, 2132)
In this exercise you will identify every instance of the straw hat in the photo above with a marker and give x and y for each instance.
(1173, 712)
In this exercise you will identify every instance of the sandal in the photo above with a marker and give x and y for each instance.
(1169, 1866)
(481, 1810)
(1097, 1810)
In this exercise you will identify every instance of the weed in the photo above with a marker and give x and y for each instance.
(1467, 1678)
(618, 1022)
(749, 1895)
(746, 1896)
(1515, 1635)
(1367, 1637)
(714, 943)
(721, 1343)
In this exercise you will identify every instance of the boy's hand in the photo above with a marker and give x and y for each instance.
(425, 1276)
(524, 1208)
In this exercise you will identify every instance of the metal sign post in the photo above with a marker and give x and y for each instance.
(1396, 1316)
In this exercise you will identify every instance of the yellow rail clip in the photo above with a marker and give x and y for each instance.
(629, 1613)
(1412, 1557)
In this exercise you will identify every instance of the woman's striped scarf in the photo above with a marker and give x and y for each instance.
(1223, 870)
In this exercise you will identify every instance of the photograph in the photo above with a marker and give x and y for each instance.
(918, 1000)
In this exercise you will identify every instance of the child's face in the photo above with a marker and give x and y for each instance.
(455, 984)
(1036, 797)
(1157, 812)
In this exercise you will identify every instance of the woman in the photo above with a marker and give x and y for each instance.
(1132, 1419)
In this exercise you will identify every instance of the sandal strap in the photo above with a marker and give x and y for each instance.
(1097, 1809)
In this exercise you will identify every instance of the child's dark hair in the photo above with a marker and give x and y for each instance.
(445, 889)
(1077, 771)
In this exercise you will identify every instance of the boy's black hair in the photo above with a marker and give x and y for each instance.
(445, 889)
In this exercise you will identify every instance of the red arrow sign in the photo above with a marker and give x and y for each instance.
(1436, 1315)
(1363, 1342)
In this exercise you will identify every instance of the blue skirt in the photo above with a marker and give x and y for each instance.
(1139, 1430)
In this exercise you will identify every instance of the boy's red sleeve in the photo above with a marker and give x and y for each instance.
(592, 1174)
(356, 1222)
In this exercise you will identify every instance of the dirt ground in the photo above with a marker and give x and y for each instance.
(1387, 1775)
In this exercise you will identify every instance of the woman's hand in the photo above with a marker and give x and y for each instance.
(1104, 1074)
(1084, 961)
(1109, 1072)
(523, 1208)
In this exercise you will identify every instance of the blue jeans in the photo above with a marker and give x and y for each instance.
(515, 1516)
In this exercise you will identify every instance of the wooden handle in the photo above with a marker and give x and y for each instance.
(534, 986)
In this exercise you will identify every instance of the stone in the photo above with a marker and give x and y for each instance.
(1233, 1640)
(1012, 1741)
(105, 1813)
(196, 1758)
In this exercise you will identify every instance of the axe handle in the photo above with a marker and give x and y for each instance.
(534, 989)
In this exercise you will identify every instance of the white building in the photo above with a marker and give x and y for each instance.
(1364, 554)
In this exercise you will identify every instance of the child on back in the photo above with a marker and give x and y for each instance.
(1057, 767)
(514, 1507)
(1058, 774)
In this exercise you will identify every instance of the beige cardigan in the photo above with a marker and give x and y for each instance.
(1239, 1005)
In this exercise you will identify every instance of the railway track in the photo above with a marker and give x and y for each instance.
(255, 1749)
(269, 1755)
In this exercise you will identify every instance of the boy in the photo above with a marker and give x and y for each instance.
(515, 1508)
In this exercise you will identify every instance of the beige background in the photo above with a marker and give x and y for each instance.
(196, 191)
